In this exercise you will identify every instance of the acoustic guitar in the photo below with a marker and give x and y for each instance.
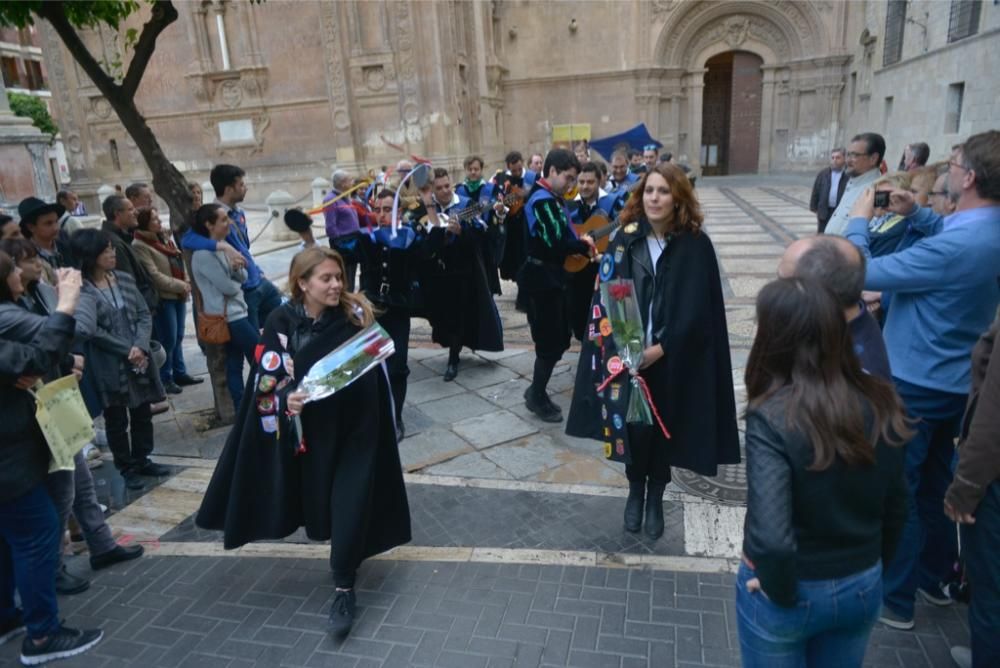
(514, 200)
(599, 228)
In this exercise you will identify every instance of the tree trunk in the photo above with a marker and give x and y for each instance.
(168, 182)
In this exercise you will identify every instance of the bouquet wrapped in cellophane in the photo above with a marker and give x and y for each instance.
(622, 308)
(342, 366)
(351, 360)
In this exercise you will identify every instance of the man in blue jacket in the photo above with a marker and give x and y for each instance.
(945, 294)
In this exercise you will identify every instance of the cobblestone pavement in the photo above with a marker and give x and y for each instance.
(518, 555)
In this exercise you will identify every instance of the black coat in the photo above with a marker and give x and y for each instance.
(692, 384)
(347, 486)
(456, 291)
(819, 201)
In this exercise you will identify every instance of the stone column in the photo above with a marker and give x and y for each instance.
(695, 86)
(766, 119)
(320, 187)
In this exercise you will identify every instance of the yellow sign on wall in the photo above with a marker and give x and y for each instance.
(568, 134)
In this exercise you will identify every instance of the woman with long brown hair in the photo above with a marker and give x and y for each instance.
(686, 366)
(827, 497)
(347, 484)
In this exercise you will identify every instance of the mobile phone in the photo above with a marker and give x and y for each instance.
(881, 199)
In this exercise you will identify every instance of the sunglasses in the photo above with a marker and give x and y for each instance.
(650, 147)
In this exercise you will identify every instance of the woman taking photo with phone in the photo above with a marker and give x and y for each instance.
(340, 477)
(826, 493)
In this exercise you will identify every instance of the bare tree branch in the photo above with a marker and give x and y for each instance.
(55, 13)
(164, 13)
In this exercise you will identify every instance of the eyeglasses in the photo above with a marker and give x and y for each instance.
(952, 163)
(403, 171)
(938, 193)
(852, 154)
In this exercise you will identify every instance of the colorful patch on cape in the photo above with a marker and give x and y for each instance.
(607, 449)
(620, 446)
(283, 382)
(631, 228)
(270, 361)
(591, 332)
(607, 431)
(286, 359)
(604, 412)
(257, 352)
(616, 391)
(619, 252)
(617, 419)
(266, 405)
(266, 384)
(607, 268)
(269, 423)
(605, 327)
(615, 365)
(595, 312)
(283, 340)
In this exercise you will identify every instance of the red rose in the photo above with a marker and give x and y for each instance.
(373, 348)
(620, 291)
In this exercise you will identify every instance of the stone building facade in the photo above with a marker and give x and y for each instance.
(289, 88)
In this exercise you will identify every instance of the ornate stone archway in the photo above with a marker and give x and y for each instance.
(785, 34)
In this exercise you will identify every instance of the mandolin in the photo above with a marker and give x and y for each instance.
(599, 228)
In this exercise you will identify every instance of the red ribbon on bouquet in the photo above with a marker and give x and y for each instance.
(645, 393)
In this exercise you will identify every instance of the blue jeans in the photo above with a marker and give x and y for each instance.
(243, 339)
(30, 539)
(981, 549)
(168, 326)
(829, 626)
(927, 547)
(261, 301)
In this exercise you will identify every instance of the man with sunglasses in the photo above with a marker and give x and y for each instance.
(864, 157)
(650, 155)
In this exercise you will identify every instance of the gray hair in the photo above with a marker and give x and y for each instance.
(830, 263)
(338, 176)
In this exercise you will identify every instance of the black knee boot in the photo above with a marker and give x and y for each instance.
(654, 509)
(633, 506)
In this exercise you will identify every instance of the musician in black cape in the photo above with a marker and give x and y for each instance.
(341, 477)
(459, 304)
(686, 362)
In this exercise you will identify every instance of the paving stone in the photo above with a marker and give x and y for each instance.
(472, 465)
(431, 447)
(430, 390)
(489, 429)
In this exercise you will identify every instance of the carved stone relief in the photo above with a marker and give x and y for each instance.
(336, 79)
(405, 46)
(736, 29)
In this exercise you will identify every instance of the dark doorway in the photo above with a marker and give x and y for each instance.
(730, 115)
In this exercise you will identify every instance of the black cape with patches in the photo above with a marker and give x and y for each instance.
(692, 384)
(347, 486)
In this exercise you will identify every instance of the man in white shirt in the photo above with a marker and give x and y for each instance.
(864, 157)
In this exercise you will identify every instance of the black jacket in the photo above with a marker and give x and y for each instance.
(819, 202)
(24, 454)
(126, 260)
(692, 384)
(348, 485)
(815, 525)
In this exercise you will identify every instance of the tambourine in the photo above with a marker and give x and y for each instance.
(298, 220)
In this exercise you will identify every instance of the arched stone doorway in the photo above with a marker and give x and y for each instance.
(731, 113)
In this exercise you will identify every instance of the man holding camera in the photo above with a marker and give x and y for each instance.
(864, 157)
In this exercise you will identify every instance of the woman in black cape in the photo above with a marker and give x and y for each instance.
(341, 480)
(686, 362)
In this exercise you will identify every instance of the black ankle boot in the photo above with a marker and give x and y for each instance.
(654, 509)
(633, 506)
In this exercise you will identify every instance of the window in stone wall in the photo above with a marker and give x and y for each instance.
(964, 19)
(887, 112)
(953, 108)
(11, 75)
(854, 89)
(895, 22)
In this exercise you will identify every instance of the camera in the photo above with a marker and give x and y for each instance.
(881, 199)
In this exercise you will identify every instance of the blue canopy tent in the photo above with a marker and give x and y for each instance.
(636, 138)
